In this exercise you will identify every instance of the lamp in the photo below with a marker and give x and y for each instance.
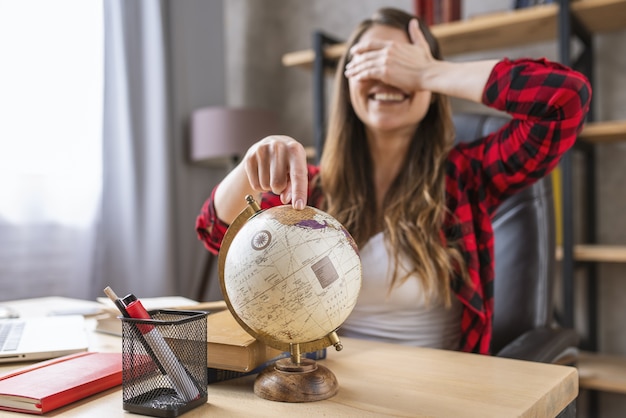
(223, 134)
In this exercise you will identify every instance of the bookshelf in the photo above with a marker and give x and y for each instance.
(524, 27)
(500, 30)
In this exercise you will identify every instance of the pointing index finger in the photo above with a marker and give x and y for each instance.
(298, 178)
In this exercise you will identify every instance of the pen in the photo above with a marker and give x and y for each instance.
(122, 308)
(131, 307)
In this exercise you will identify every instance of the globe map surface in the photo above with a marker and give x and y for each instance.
(292, 276)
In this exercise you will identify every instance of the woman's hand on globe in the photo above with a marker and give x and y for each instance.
(278, 164)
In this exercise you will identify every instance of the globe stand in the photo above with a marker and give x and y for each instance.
(286, 381)
(256, 234)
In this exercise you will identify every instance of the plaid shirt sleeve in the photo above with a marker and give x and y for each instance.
(548, 103)
(211, 229)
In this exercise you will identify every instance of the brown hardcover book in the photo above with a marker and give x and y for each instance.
(450, 11)
(230, 347)
(425, 10)
(434, 12)
(109, 322)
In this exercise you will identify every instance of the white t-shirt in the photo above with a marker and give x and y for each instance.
(402, 315)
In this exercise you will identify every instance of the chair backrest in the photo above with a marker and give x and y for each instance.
(524, 247)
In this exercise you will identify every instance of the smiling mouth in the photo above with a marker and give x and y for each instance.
(388, 97)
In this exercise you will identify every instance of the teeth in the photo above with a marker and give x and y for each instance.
(396, 97)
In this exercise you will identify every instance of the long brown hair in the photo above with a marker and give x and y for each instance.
(414, 207)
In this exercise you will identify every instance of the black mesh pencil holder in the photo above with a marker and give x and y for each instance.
(164, 363)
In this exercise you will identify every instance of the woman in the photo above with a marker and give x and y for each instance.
(418, 206)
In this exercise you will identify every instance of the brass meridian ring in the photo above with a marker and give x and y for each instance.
(251, 210)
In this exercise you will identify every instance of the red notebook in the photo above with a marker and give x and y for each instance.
(48, 385)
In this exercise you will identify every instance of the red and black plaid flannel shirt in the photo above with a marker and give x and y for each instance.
(548, 103)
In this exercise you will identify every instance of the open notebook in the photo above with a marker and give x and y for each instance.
(39, 338)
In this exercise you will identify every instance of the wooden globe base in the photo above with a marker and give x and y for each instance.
(287, 381)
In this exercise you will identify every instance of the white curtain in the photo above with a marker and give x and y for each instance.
(163, 60)
(97, 191)
(134, 238)
(50, 153)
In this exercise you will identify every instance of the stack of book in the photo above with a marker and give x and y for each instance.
(230, 347)
(108, 320)
(231, 351)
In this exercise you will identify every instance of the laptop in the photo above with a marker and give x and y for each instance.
(40, 338)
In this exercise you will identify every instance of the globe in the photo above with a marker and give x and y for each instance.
(290, 276)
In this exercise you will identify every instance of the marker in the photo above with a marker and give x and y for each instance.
(122, 308)
(131, 307)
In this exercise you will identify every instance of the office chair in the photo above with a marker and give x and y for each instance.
(524, 233)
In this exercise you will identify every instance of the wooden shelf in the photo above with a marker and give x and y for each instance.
(306, 57)
(596, 253)
(310, 153)
(600, 16)
(593, 133)
(501, 30)
(602, 372)
(498, 30)
(603, 132)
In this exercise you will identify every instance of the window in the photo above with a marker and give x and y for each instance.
(51, 89)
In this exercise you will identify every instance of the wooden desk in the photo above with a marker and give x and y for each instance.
(377, 379)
